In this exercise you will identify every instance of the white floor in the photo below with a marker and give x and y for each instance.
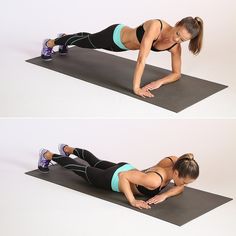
(30, 91)
(30, 206)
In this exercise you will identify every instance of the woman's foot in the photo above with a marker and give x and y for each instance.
(45, 156)
(65, 150)
(47, 50)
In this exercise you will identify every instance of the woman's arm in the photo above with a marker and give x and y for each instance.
(137, 177)
(149, 36)
(163, 196)
(176, 70)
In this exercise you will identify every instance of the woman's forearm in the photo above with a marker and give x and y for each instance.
(169, 78)
(140, 65)
(174, 191)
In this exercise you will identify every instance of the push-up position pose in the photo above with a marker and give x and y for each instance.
(123, 177)
(156, 35)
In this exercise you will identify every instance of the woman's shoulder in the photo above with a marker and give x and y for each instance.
(165, 23)
(166, 161)
(173, 158)
(152, 23)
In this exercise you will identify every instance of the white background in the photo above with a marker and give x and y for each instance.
(28, 90)
(30, 206)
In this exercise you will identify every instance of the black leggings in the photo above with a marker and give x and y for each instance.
(99, 173)
(100, 40)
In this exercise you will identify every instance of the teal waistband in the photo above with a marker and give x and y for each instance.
(115, 177)
(116, 37)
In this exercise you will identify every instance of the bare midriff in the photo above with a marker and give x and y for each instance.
(129, 38)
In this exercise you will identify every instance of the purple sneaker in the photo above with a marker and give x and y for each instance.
(61, 150)
(63, 50)
(46, 53)
(43, 162)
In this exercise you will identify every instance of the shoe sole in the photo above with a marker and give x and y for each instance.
(43, 171)
(47, 59)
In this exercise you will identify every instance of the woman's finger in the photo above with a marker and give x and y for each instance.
(151, 201)
(148, 87)
(151, 95)
(157, 202)
(142, 95)
(146, 94)
(146, 206)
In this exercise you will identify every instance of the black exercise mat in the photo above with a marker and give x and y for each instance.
(177, 210)
(116, 73)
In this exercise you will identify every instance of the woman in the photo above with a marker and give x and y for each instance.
(123, 177)
(156, 35)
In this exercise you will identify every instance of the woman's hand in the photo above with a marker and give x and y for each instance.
(153, 85)
(157, 199)
(143, 92)
(140, 204)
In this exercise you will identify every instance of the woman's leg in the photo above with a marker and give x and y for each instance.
(95, 176)
(100, 40)
(92, 160)
(89, 157)
(71, 164)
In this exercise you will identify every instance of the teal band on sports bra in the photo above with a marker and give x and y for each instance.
(116, 37)
(115, 177)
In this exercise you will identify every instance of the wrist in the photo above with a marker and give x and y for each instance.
(132, 201)
(165, 195)
(136, 89)
(160, 81)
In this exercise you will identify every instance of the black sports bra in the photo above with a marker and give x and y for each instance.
(140, 32)
(152, 193)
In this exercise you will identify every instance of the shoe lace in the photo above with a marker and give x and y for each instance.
(51, 164)
(49, 51)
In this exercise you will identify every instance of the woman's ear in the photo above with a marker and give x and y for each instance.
(176, 173)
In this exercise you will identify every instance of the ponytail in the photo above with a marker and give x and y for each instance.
(195, 44)
(195, 27)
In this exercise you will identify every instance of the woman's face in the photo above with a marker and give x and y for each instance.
(178, 181)
(180, 34)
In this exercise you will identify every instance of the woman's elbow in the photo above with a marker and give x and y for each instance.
(121, 175)
(181, 189)
(177, 76)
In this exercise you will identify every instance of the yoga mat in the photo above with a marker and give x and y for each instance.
(116, 73)
(177, 210)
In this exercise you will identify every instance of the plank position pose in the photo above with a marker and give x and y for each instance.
(123, 177)
(156, 35)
